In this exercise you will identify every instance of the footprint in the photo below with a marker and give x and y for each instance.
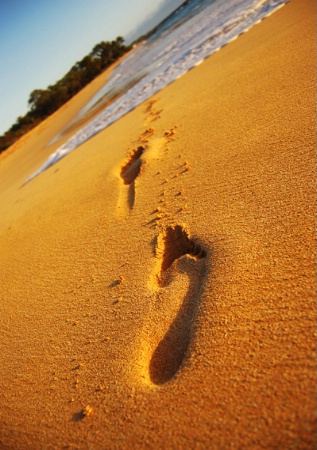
(151, 112)
(130, 171)
(180, 278)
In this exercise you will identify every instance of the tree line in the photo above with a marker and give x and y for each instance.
(43, 102)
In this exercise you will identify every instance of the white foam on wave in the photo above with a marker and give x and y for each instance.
(156, 63)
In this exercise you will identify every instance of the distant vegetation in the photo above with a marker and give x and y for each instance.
(43, 102)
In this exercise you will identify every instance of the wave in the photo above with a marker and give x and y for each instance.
(191, 34)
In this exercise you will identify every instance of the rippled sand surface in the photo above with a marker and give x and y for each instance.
(158, 284)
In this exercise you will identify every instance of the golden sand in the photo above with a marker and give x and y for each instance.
(158, 283)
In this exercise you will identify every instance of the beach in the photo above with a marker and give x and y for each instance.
(158, 283)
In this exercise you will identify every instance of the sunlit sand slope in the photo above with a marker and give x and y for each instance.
(158, 283)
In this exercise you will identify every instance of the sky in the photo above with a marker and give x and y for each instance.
(40, 40)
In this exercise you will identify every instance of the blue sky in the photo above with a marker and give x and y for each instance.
(40, 40)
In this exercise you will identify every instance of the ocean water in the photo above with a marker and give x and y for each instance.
(193, 32)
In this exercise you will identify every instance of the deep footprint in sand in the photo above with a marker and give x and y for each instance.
(179, 256)
(130, 171)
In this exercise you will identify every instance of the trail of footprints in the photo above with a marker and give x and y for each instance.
(177, 255)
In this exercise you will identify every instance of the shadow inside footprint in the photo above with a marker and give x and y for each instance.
(176, 243)
(130, 171)
(170, 353)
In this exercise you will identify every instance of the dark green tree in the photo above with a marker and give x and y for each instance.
(43, 102)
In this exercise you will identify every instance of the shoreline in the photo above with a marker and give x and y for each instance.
(131, 98)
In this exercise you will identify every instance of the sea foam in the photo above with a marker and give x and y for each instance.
(192, 33)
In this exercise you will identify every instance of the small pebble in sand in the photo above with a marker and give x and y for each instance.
(88, 410)
(100, 388)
